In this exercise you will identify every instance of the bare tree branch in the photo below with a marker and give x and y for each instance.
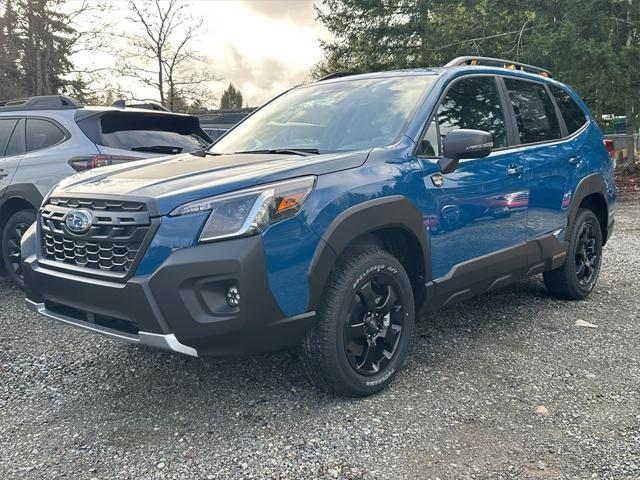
(160, 56)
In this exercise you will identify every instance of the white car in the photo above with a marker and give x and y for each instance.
(45, 139)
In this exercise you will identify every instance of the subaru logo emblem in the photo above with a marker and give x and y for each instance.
(79, 221)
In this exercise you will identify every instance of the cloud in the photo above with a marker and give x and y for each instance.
(257, 80)
(295, 11)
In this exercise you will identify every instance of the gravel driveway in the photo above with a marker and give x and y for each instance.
(503, 386)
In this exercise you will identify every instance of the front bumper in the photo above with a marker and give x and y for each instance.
(180, 307)
(165, 342)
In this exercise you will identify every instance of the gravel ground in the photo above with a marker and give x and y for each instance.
(503, 386)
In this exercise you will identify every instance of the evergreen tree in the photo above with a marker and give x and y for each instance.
(12, 80)
(231, 98)
(591, 45)
(37, 40)
(47, 41)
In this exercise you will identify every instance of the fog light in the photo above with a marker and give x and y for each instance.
(233, 296)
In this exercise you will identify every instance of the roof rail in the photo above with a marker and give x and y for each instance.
(498, 62)
(146, 104)
(331, 76)
(42, 102)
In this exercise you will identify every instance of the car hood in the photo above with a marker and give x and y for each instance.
(173, 181)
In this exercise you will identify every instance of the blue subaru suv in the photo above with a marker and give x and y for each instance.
(332, 217)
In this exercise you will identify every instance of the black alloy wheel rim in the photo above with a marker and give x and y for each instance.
(374, 324)
(13, 251)
(586, 257)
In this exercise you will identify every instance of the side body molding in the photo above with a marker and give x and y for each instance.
(367, 217)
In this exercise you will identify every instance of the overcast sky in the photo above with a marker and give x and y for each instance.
(262, 46)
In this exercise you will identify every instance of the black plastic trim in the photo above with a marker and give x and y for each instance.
(23, 191)
(496, 270)
(185, 297)
(26, 192)
(590, 184)
(388, 212)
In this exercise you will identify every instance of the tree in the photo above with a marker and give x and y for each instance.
(12, 84)
(47, 41)
(231, 98)
(593, 46)
(160, 56)
(37, 41)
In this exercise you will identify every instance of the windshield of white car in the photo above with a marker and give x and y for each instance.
(330, 117)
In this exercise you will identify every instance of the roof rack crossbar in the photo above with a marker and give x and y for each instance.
(41, 102)
(498, 62)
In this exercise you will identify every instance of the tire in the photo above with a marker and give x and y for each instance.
(11, 235)
(348, 351)
(577, 277)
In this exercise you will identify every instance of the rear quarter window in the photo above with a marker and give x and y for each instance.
(574, 116)
(42, 134)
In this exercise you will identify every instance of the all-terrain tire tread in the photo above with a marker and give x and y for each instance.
(561, 281)
(318, 364)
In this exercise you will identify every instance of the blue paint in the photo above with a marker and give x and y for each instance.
(477, 211)
(174, 233)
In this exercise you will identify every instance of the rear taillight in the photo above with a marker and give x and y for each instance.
(87, 162)
(611, 148)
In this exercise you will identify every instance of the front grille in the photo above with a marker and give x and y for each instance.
(113, 242)
(99, 205)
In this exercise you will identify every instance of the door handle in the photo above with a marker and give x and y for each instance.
(574, 160)
(3, 173)
(515, 170)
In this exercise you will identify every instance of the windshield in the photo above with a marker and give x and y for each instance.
(331, 117)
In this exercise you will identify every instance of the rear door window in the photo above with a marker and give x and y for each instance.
(42, 134)
(164, 134)
(574, 116)
(535, 114)
(16, 144)
(6, 127)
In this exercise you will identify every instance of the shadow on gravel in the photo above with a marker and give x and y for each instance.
(139, 380)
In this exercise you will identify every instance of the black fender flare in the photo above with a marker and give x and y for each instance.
(367, 217)
(23, 191)
(590, 184)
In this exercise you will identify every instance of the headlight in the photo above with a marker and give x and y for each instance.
(250, 211)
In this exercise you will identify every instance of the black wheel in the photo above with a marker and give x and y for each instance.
(363, 326)
(577, 277)
(11, 236)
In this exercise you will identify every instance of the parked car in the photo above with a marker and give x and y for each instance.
(45, 139)
(217, 123)
(309, 224)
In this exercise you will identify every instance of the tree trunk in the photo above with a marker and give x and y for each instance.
(629, 143)
(160, 78)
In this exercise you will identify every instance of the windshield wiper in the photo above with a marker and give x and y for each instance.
(158, 149)
(203, 153)
(303, 152)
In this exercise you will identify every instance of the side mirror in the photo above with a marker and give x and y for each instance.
(462, 144)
